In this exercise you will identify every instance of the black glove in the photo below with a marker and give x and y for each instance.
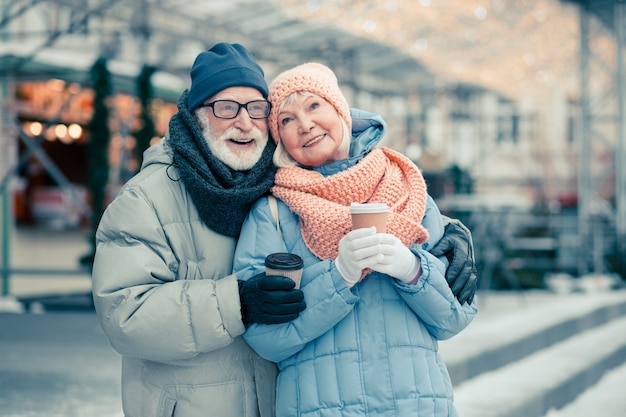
(270, 299)
(456, 245)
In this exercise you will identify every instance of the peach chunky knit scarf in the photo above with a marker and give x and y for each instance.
(322, 203)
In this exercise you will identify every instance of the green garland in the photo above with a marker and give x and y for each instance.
(147, 131)
(98, 148)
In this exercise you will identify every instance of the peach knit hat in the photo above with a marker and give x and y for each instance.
(313, 77)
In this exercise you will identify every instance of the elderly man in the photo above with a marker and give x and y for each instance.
(162, 282)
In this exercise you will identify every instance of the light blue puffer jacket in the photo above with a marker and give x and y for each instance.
(367, 351)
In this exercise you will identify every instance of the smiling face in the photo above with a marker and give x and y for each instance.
(310, 130)
(238, 142)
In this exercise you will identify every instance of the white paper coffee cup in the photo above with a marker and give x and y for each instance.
(368, 215)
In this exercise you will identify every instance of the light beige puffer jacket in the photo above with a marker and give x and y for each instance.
(166, 298)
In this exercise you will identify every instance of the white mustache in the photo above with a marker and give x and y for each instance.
(237, 135)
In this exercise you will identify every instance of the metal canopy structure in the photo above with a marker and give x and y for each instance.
(284, 41)
(392, 47)
(384, 59)
(274, 38)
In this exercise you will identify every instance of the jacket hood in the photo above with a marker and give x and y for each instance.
(368, 130)
(159, 153)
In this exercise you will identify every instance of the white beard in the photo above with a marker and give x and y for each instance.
(239, 161)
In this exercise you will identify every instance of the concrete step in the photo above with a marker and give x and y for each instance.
(540, 358)
(521, 326)
(606, 398)
(548, 379)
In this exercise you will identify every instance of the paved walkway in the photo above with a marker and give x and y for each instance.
(59, 363)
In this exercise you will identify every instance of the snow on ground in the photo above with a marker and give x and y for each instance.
(605, 399)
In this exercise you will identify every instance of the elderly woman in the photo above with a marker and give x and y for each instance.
(377, 303)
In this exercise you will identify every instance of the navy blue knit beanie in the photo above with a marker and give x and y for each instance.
(224, 65)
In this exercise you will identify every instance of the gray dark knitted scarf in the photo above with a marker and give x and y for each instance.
(222, 195)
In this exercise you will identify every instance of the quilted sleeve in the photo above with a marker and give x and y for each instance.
(328, 299)
(146, 309)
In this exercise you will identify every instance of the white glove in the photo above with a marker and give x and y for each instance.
(398, 260)
(359, 249)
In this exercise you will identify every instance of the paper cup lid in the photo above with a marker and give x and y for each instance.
(284, 261)
(364, 208)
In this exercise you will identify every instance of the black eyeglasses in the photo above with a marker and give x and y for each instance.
(229, 109)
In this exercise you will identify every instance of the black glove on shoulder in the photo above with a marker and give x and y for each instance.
(270, 299)
(457, 246)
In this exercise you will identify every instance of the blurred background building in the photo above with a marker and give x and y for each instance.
(514, 110)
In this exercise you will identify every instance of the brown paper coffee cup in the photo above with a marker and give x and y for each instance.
(286, 265)
(368, 215)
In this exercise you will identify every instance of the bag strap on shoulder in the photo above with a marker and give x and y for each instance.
(274, 209)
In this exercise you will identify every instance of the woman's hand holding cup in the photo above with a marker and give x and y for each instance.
(358, 250)
(397, 261)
